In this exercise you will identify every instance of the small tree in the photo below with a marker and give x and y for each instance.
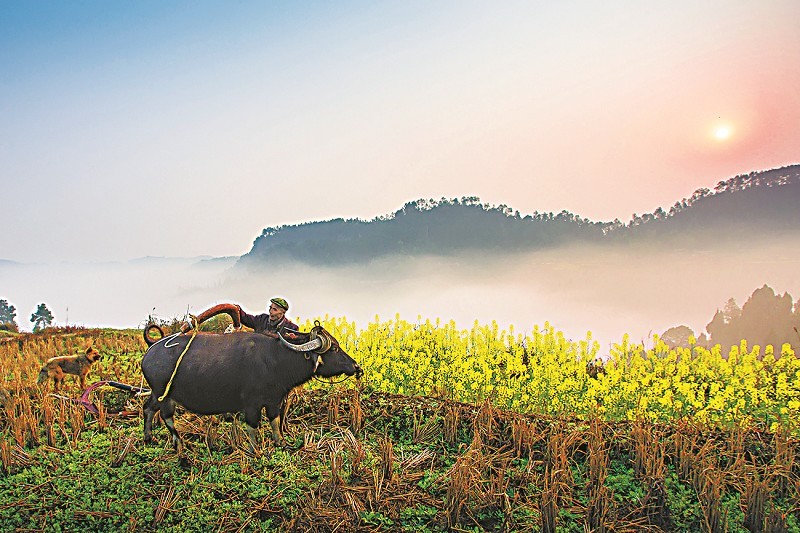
(42, 318)
(678, 337)
(8, 314)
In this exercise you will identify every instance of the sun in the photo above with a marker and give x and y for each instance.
(722, 133)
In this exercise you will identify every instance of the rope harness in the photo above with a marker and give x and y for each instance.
(177, 364)
(318, 332)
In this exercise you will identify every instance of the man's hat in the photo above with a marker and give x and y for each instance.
(280, 302)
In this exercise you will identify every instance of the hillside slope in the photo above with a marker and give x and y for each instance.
(756, 205)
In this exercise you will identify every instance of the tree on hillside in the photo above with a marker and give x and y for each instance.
(42, 318)
(678, 337)
(8, 314)
(766, 318)
(422, 227)
(720, 330)
(731, 311)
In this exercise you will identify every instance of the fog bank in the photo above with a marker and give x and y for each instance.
(576, 290)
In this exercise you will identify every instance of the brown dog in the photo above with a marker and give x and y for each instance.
(77, 365)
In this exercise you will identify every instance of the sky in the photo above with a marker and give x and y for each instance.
(180, 129)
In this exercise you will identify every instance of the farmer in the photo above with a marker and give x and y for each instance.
(272, 322)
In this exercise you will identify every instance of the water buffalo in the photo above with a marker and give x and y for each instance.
(237, 372)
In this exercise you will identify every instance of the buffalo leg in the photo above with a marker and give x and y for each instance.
(274, 415)
(252, 437)
(253, 418)
(150, 410)
(167, 409)
(275, 424)
(167, 412)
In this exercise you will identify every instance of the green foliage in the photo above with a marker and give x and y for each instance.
(8, 315)
(623, 483)
(9, 326)
(42, 318)
(420, 517)
(373, 518)
(684, 510)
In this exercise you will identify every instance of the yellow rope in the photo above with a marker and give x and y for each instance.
(194, 334)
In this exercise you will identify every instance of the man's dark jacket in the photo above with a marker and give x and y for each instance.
(261, 324)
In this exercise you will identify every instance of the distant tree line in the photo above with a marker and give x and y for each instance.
(760, 203)
(423, 227)
(767, 179)
(42, 318)
(765, 319)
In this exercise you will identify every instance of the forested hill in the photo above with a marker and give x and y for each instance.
(756, 204)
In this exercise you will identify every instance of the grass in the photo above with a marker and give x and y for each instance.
(363, 460)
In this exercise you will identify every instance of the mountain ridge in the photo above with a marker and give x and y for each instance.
(746, 206)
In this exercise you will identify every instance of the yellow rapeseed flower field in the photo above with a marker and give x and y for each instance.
(537, 371)
(540, 371)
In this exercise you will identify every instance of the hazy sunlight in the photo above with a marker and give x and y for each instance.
(722, 133)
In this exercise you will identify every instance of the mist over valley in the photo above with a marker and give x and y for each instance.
(644, 277)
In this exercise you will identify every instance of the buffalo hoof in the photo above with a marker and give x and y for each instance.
(250, 452)
(289, 446)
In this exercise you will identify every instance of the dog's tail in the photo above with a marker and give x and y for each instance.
(42, 376)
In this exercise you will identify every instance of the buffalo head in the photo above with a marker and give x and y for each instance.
(324, 350)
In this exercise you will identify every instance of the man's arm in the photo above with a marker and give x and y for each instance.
(246, 319)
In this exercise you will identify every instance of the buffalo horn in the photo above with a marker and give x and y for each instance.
(314, 344)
